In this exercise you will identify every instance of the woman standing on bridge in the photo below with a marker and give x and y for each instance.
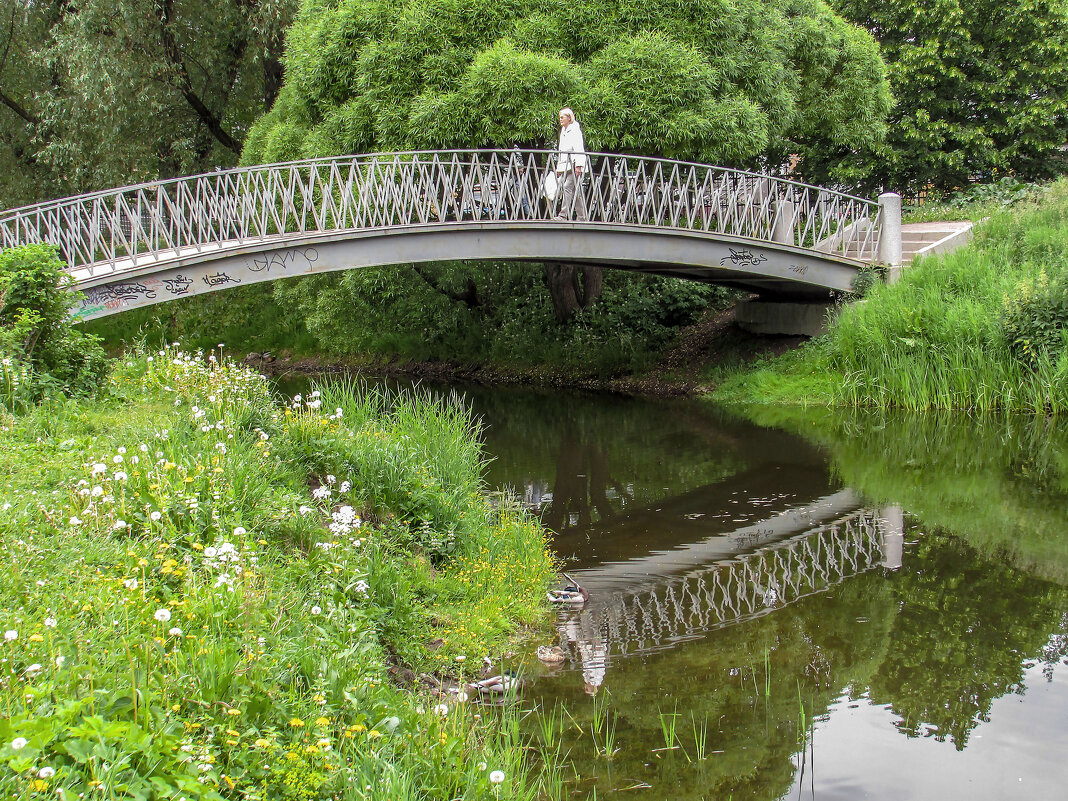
(570, 163)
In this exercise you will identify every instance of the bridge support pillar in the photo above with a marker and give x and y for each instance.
(890, 236)
(780, 317)
(892, 531)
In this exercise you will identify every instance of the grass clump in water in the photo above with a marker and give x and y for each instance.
(984, 328)
(206, 594)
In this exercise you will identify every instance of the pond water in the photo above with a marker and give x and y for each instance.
(815, 605)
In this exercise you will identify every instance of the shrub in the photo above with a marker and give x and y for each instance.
(36, 329)
(1034, 322)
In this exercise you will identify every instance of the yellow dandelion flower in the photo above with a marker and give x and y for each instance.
(322, 721)
(296, 723)
(261, 743)
(36, 638)
(374, 734)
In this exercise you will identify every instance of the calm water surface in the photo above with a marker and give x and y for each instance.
(821, 606)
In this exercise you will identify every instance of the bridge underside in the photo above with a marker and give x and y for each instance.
(769, 269)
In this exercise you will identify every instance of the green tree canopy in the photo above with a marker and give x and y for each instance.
(981, 86)
(732, 83)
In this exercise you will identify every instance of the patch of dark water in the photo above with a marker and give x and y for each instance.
(821, 606)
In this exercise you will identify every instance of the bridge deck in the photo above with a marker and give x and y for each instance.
(694, 221)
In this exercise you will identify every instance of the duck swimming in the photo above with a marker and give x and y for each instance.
(550, 654)
(573, 595)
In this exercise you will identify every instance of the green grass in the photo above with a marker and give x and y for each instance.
(206, 594)
(937, 339)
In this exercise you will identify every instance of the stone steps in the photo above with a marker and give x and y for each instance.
(922, 239)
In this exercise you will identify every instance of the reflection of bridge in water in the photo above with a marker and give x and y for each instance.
(635, 616)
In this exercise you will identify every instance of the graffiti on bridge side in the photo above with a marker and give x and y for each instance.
(112, 295)
(743, 258)
(220, 279)
(283, 259)
(179, 285)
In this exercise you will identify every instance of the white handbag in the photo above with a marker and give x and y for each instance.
(550, 185)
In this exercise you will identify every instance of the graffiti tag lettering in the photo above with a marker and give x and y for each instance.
(179, 285)
(743, 258)
(800, 269)
(219, 279)
(125, 291)
(283, 259)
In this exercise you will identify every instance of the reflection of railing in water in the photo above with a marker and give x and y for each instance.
(653, 618)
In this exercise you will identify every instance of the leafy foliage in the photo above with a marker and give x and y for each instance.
(1034, 321)
(730, 83)
(35, 325)
(981, 89)
(373, 310)
(98, 93)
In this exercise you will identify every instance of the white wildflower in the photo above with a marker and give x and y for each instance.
(162, 615)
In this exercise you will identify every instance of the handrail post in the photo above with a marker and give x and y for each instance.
(783, 230)
(890, 235)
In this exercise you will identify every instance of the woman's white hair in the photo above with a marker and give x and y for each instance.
(569, 113)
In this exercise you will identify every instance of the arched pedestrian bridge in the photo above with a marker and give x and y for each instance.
(158, 241)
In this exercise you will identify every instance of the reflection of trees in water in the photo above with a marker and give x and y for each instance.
(597, 454)
(940, 639)
(582, 483)
(1000, 484)
(965, 628)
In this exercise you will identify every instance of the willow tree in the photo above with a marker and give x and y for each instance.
(741, 83)
(97, 93)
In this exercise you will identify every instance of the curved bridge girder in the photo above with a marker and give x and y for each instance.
(763, 267)
(144, 244)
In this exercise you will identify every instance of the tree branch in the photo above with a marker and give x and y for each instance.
(18, 109)
(469, 296)
(174, 54)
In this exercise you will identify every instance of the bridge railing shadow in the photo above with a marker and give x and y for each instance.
(106, 232)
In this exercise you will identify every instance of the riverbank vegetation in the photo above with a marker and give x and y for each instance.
(984, 328)
(508, 322)
(211, 595)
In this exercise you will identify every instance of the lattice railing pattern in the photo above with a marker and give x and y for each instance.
(725, 593)
(110, 231)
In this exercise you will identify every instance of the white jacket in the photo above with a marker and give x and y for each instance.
(572, 149)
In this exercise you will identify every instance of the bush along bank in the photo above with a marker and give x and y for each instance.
(984, 328)
(206, 594)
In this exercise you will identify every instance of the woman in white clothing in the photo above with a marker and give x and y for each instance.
(570, 164)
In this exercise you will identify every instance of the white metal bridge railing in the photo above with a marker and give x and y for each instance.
(110, 231)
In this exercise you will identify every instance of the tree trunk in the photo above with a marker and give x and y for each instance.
(562, 280)
(572, 288)
(592, 282)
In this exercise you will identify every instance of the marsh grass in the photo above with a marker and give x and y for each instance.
(205, 593)
(937, 339)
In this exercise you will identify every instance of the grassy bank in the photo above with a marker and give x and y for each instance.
(984, 328)
(208, 596)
